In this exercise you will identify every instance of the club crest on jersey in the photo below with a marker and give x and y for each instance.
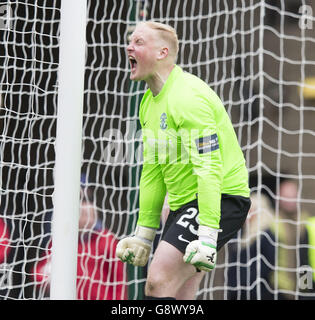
(163, 118)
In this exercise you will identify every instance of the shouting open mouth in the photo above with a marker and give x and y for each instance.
(133, 63)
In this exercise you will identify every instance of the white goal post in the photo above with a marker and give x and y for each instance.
(258, 57)
(65, 222)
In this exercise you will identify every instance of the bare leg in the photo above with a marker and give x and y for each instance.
(168, 273)
(190, 287)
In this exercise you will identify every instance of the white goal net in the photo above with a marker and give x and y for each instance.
(258, 57)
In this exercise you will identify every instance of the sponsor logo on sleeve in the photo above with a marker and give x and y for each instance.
(207, 144)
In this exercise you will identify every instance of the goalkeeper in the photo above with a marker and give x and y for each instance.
(191, 152)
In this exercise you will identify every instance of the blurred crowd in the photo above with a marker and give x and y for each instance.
(100, 274)
(275, 256)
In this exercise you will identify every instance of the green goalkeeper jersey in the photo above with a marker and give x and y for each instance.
(190, 150)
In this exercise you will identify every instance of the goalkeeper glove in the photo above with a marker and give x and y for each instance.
(202, 253)
(136, 249)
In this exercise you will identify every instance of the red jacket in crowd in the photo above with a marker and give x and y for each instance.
(100, 275)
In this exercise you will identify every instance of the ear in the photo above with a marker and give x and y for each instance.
(163, 53)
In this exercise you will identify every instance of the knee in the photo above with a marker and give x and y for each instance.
(155, 285)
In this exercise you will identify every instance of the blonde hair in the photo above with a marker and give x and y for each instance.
(166, 33)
